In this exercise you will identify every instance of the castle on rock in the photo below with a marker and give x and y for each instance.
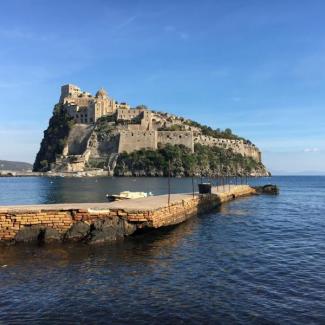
(126, 129)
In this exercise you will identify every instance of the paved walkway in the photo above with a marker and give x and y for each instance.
(144, 204)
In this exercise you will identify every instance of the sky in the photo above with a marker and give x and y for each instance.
(257, 67)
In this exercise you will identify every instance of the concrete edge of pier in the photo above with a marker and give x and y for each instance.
(102, 222)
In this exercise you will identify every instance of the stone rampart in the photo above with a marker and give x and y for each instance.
(136, 140)
(238, 146)
(176, 138)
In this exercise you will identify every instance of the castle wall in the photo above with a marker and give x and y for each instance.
(82, 100)
(81, 115)
(136, 140)
(122, 106)
(176, 138)
(128, 114)
(146, 121)
(134, 127)
(238, 146)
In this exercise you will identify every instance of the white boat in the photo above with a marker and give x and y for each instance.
(127, 195)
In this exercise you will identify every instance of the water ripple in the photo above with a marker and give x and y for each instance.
(258, 260)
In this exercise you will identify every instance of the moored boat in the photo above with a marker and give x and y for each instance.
(126, 195)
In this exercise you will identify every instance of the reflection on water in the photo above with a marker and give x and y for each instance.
(257, 260)
(144, 244)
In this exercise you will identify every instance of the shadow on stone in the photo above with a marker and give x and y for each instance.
(29, 234)
(106, 230)
(51, 236)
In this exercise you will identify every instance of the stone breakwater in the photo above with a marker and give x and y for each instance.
(105, 222)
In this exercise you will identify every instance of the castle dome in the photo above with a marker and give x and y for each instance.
(101, 93)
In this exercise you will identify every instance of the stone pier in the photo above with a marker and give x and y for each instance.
(102, 222)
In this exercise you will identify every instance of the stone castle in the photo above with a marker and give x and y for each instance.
(130, 129)
(84, 107)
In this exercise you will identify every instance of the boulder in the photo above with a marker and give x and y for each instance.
(78, 231)
(129, 228)
(51, 235)
(29, 234)
(106, 230)
(267, 189)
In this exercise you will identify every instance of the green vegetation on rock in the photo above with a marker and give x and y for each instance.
(104, 126)
(54, 138)
(205, 161)
(215, 133)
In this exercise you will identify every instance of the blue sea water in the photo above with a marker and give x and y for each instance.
(256, 260)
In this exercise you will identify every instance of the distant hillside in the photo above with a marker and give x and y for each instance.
(298, 173)
(15, 165)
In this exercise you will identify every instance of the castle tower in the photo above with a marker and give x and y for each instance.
(69, 90)
(104, 105)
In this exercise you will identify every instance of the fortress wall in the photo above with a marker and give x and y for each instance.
(81, 101)
(128, 114)
(238, 146)
(176, 138)
(146, 121)
(134, 127)
(136, 140)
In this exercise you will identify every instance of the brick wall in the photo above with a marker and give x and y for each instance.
(62, 220)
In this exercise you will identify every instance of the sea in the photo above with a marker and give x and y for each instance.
(255, 260)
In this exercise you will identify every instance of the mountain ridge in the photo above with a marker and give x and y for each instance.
(15, 165)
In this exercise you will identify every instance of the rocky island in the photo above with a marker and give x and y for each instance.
(98, 135)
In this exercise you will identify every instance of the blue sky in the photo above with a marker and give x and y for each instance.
(257, 67)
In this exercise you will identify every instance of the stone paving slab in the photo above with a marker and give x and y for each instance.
(141, 204)
(148, 203)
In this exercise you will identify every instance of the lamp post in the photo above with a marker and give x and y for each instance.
(169, 167)
(192, 176)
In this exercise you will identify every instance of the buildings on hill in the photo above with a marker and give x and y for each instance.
(127, 130)
(84, 107)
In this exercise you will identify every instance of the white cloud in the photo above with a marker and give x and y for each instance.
(315, 149)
